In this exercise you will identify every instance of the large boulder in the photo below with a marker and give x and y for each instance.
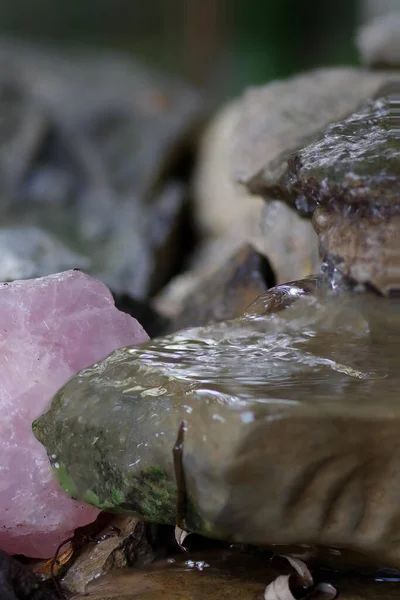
(287, 425)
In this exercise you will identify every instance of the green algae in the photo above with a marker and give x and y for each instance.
(153, 496)
(65, 480)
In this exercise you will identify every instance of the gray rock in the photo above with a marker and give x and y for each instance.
(86, 145)
(28, 252)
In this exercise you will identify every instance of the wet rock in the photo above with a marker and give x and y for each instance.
(17, 583)
(229, 573)
(280, 442)
(228, 292)
(228, 217)
(352, 174)
(360, 589)
(190, 576)
(282, 296)
(89, 144)
(379, 42)
(280, 117)
(122, 542)
(53, 568)
(355, 162)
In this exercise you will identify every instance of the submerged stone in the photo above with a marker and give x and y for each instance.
(288, 425)
(50, 328)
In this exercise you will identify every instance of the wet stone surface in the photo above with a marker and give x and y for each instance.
(351, 176)
(228, 292)
(356, 162)
(349, 180)
(279, 412)
(283, 116)
(121, 544)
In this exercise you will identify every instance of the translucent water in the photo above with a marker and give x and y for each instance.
(291, 426)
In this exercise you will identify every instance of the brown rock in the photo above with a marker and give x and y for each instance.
(349, 179)
(227, 292)
(122, 541)
(282, 296)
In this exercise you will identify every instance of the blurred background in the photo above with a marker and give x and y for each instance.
(219, 44)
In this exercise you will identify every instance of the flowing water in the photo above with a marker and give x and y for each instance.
(317, 352)
(290, 435)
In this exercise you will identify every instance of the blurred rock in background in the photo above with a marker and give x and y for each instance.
(222, 44)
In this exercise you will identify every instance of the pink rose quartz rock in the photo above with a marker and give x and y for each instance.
(50, 328)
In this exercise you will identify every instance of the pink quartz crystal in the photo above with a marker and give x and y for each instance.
(50, 328)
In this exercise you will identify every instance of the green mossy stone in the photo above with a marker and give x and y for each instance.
(280, 410)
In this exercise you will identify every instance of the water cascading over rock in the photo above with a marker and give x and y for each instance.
(287, 417)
